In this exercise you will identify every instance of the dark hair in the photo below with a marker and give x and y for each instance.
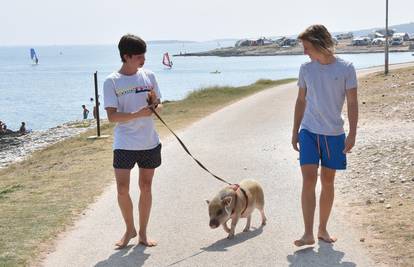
(131, 45)
(319, 37)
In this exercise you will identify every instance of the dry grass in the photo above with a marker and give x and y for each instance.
(42, 195)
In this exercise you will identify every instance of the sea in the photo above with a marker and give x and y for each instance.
(52, 92)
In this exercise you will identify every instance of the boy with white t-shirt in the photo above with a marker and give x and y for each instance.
(126, 95)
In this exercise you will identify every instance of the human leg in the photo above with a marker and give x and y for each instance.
(125, 204)
(145, 202)
(309, 175)
(325, 203)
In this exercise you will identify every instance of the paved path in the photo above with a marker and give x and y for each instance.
(249, 139)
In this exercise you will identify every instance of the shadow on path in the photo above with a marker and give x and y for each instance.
(128, 256)
(223, 244)
(326, 256)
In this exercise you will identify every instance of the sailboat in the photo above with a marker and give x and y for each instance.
(33, 56)
(166, 60)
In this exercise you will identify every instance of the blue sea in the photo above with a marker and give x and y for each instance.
(52, 92)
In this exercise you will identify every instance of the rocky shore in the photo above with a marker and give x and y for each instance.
(15, 148)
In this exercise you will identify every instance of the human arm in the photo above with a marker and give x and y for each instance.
(154, 101)
(352, 107)
(299, 111)
(115, 116)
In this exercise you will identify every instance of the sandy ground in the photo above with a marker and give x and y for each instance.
(249, 139)
(379, 185)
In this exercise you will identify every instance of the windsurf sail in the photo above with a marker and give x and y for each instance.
(166, 60)
(33, 56)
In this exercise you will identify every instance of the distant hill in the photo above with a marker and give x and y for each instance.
(225, 40)
(169, 42)
(407, 27)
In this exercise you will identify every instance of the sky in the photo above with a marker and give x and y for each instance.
(59, 22)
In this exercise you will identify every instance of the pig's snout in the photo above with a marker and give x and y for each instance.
(214, 223)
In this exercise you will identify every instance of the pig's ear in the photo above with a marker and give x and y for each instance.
(227, 201)
(208, 202)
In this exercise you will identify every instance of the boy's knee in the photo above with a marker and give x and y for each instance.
(145, 187)
(123, 189)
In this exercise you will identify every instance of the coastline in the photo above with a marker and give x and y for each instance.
(343, 47)
(281, 53)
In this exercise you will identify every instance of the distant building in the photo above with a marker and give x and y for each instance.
(402, 35)
(382, 31)
(341, 36)
(264, 41)
(375, 35)
(254, 42)
(244, 42)
(284, 41)
(378, 41)
(358, 41)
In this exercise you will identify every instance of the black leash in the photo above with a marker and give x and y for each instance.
(186, 149)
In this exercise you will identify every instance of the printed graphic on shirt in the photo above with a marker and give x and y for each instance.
(133, 90)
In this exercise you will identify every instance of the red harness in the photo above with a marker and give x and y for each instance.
(235, 187)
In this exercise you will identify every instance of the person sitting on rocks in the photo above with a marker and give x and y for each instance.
(2, 127)
(5, 130)
(22, 129)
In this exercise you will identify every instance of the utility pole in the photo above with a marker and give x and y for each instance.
(386, 37)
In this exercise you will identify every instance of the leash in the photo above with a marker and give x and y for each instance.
(186, 149)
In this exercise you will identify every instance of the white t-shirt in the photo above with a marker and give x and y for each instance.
(325, 94)
(128, 93)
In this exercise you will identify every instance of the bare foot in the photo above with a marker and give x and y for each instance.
(324, 236)
(304, 240)
(125, 239)
(143, 240)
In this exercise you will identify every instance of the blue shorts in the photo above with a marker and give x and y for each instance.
(326, 148)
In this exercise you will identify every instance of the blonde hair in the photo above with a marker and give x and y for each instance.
(319, 37)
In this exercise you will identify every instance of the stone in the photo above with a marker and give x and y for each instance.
(362, 239)
(388, 206)
(381, 200)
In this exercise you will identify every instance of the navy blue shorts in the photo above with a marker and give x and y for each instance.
(147, 159)
(327, 149)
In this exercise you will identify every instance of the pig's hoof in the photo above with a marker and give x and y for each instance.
(231, 236)
(246, 230)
